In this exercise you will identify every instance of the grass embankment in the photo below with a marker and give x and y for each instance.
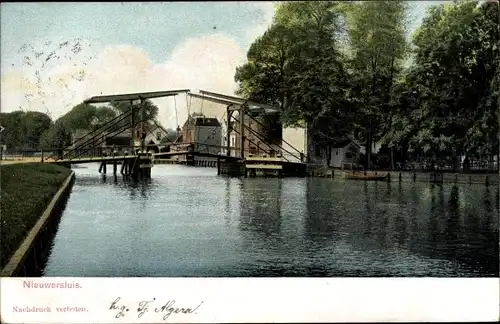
(26, 190)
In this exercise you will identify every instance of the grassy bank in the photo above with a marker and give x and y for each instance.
(26, 190)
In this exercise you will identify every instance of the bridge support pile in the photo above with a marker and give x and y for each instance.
(230, 167)
(138, 168)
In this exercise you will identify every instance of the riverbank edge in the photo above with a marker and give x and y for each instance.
(19, 257)
(488, 179)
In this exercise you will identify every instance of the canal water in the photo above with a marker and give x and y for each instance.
(188, 221)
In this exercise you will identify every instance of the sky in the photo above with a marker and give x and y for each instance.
(55, 55)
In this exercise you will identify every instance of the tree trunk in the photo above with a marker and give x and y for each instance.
(392, 158)
(369, 147)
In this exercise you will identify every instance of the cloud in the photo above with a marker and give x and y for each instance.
(54, 75)
(207, 62)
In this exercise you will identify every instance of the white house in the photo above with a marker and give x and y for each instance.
(294, 141)
(344, 154)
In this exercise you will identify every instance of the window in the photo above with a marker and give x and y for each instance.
(158, 135)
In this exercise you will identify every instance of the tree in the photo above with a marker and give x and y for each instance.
(35, 124)
(149, 110)
(23, 129)
(453, 79)
(13, 134)
(378, 48)
(295, 65)
(56, 137)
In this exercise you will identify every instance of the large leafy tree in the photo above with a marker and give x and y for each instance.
(454, 79)
(296, 65)
(149, 110)
(23, 129)
(378, 49)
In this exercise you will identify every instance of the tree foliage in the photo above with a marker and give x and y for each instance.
(23, 129)
(343, 68)
(34, 130)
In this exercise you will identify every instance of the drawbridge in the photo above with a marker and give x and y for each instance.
(240, 115)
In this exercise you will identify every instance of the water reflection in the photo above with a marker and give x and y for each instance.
(189, 222)
(260, 207)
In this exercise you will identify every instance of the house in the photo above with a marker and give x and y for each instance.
(294, 140)
(153, 134)
(321, 151)
(84, 139)
(204, 132)
(344, 154)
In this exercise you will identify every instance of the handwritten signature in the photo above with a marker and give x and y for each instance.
(166, 309)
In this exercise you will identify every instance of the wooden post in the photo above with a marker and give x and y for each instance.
(114, 167)
(218, 166)
(400, 177)
(132, 130)
(470, 179)
(486, 181)
(42, 156)
(242, 131)
(143, 139)
(414, 176)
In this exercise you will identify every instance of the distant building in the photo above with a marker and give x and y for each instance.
(154, 133)
(294, 141)
(338, 154)
(344, 154)
(85, 139)
(205, 133)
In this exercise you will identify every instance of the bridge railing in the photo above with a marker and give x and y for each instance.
(96, 137)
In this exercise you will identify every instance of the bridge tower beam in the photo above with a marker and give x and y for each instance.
(229, 113)
(242, 131)
(132, 130)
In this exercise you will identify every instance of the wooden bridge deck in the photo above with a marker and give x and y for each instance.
(98, 159)
(201, 154)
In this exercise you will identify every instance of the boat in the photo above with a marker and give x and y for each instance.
(367, 177)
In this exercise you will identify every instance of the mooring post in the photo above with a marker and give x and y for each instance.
(414, 176)
(486, 181)
(400, 177)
